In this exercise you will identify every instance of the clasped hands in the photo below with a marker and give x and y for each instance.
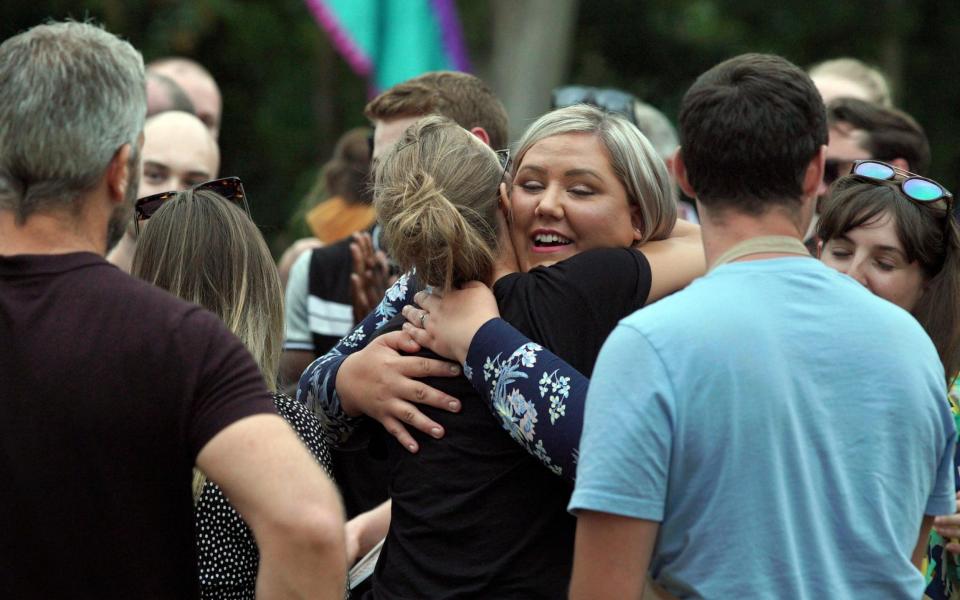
(381, 382)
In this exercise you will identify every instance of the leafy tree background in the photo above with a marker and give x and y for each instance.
(288, 95)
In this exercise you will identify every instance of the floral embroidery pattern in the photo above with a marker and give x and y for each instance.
(393, 301)
(518, 414)
(556, 389)
(317, 389)
(526, 389)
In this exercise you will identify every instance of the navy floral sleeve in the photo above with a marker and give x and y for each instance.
(537, 397)
(317, 389)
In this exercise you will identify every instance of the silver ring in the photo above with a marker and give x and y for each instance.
(423, 317)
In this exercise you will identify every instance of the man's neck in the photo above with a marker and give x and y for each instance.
(52, 232)
(728, 228)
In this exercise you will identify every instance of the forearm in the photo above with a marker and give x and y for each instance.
(537, 396)
(318, 384)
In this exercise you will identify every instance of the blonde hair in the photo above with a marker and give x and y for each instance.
(204, 249)
(633, 159)
(873, 82)
(436, 195)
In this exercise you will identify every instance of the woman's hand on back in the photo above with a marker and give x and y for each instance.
(379, 382)
(450, 321)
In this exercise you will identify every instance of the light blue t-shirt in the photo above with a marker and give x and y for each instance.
(787, 428)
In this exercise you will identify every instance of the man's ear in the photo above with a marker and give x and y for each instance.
(813, 178)
(118, 173)
(481, 133)
(680, 173)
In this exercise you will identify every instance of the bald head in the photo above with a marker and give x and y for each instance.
(178, 152)
(198, 85)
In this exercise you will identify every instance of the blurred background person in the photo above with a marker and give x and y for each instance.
(339, 203)
(859, 130)
(201, 247)
(164, 94)
(850, 78)
(199, 86)
(178, 152)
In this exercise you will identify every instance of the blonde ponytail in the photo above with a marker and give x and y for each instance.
(436, 198)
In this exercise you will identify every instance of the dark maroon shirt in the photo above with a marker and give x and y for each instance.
(109, 387)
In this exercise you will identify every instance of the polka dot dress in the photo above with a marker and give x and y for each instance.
(227, 555)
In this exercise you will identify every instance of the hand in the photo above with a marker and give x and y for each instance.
(371, 275)
(450, 322)
(378, 382)
(948, 526)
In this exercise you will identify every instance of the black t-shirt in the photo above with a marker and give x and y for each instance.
(109, 389)
(361, 476)
(474, 515)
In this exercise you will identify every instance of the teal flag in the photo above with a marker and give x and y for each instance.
(389, 41)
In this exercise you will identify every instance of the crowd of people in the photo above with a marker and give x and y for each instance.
(610, 359)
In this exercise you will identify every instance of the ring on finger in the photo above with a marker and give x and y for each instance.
(423, 317)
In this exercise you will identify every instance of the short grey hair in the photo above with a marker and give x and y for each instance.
(632, 158)
(71, 94)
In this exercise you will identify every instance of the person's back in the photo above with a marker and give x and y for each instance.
(89, 478)
(793, 437)
(796, 411)
(112, 390)
(469, 508)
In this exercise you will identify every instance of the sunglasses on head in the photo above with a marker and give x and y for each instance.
(503, 157)
(917, 188)
(608, 99)
(230, 188)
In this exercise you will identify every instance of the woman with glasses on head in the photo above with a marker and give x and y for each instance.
(474, 514)
(204, 248)
(893, 232)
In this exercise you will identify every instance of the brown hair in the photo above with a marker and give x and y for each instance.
(346, 174)
(890, 133)
(460, 96)
(204, 249)
(929, 235)
(436, 195)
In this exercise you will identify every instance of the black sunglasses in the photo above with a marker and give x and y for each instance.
(608, 99)
(231, 188)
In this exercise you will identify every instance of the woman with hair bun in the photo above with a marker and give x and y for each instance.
(473, 513)
(206, 250)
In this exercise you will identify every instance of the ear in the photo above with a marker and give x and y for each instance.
(680, 173)
(481, 133)
(900, 163)
(637, 222)
(813, 178)
(118, 174)
(505, 203)
(819, 249)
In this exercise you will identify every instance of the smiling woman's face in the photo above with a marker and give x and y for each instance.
(873, 255)
(566, 199)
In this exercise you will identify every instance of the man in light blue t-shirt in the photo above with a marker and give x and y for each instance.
(774, 430)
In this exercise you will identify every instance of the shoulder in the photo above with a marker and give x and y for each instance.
(335, 253)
